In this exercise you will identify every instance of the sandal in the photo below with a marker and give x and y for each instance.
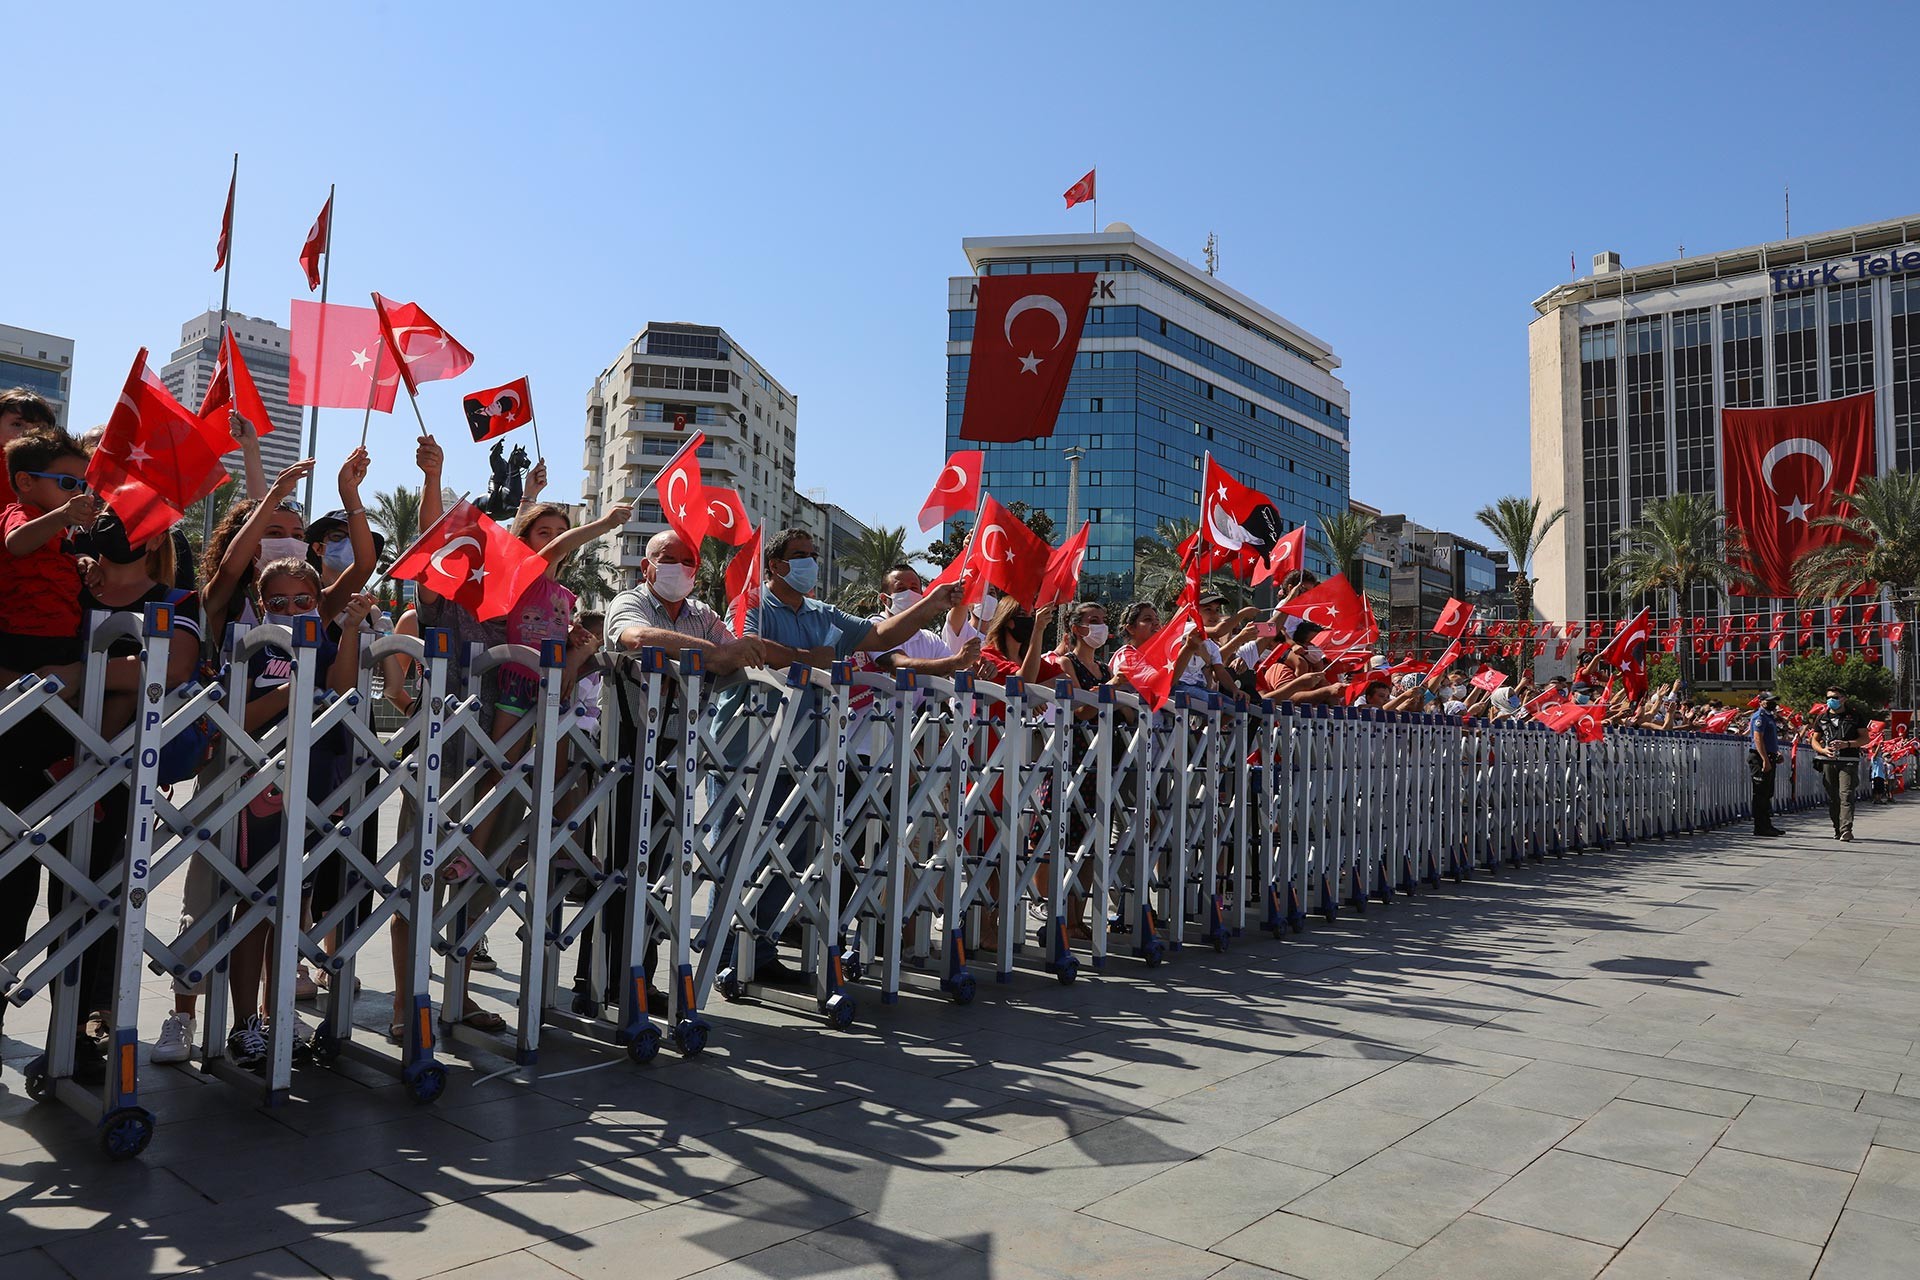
(397, 1033)
(484, 1020)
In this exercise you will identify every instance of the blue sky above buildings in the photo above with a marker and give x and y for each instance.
(1401, 181)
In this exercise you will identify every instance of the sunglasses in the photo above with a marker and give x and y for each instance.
(299, 603)
(67, 483)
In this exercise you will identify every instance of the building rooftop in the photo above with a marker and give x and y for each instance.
(1733, 262)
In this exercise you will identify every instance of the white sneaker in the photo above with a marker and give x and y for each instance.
(176, 1038)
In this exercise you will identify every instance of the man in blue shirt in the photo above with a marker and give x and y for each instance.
(1762, 756)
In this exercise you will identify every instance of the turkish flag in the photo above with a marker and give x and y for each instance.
(155, 459)
(959, 570)
(1488, 679)
(337, 358)
(1234, 517)
(498, 410)
(319, 241)
(1199, 560)
(426, 351)
(683, 500)
(1008, 555)
(1150, 669)
(1896, 632)
(1560, 650)
(220, 246)
(745, 582)
(1551, 696)
(1627, 652)
(469, 559)
(956, 491)
(1584, 722)
(1719, 720)
(1453, 620)
(1784, 469)
(1026, 330)
(727, 517)
(1081, 191)
(1333, 605)
(1063, 570)
(232, 390)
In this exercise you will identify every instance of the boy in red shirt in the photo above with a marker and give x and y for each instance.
(39, 578)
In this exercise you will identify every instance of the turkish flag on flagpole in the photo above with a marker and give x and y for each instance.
(683, 494)
(155, 459)
(1008, 555)
(469, 559)
(1081, 191)
(956, 490)
(1583, 721)
(425, 351)
(1026, 330)
(498, 410)
(727, 517)
(1150, 669)
(1784, 469)
(1336, 608)
(232, 391)
(1235, 517)
(745, 583)
(1627, 652)
(960, 570)
(226, 221)
(1453, 619)
(337, 358)
(1289, 553)
(1063, 570)
(319, 240)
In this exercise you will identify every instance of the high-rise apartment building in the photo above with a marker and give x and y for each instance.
(266, 348)
(670, 381)
(41, 363)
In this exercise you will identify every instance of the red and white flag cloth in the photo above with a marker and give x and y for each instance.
(469, 559)
(1289, 553)
(1784, 469)
(1151, 668)
(226, 231)
(1235, 517)
(1551, 696)
(1453, 620)
(1627, 652)
(337, 358)
(727, 517)
(957, 491)
(683, 495)
(155, 459)
(1025, 333)
(232, 389)
(1081, 191)
(319, 240)
(1587, 723)
(426, 352)
(1344, 618)
(498, 410)
(1062, 578)
(1488, 679)
(1007, 555)
(745, 582)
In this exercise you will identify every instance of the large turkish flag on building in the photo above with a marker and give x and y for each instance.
(1785, 468)
(1026, 330)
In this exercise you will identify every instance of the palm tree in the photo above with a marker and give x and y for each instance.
(869, 561)
(1680, 541)
(1343, 536)
(1158, 573)
(589, 574)
(710, 579)
(396, 514)
(1882, 545)
(1516, 524)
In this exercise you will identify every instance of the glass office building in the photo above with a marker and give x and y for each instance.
(1631, 367)
(1172, 364)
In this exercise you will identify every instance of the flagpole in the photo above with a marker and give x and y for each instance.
(226, 282)
(539, 453)
(373, 389)
(313, 414)
(426, 533)
(653, 479)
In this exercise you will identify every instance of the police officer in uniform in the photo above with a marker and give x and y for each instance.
(1838, 736)
(1763, 756)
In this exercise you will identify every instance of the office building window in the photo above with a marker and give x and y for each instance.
(1600, 455)
(1905, 318)
(1693, 400)
(1645, 398)
(1850, 338)
(1743, 355)
(1796, 348)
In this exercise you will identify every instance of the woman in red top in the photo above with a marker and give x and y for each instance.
(1009, 649)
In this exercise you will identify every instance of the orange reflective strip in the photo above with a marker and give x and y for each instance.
(126, 1068)
(426, 1027)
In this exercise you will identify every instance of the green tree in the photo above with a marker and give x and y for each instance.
(590, 575)
(1680, 541)
(710, 579)
(1516, 524)
(396, 513)
(870, 560)
(941, 551)
(1803, 681)
(1342, 536)
(1882, 525)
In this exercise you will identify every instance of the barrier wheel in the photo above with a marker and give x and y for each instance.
(644, 1047)
(325, 1048)
(839, 1009)
(690, 1036)
(1220, 942)
(1153, 953)
(39, 1088)
(425, 1081)
(1066, 971)
(729, 987)
(125, 1132)
(961, 987)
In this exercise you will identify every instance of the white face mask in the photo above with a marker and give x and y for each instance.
(339, 556)
(1097, 634)
(672, 582)
(272, 549)
(988, 603)
(901, 601)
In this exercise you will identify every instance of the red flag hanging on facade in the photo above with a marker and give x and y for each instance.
(1025, 333)
(1063, 570)
(226, 225)
(1335, 607)
(1235, 517)
(727, 517)
(1784, 469)
(745, 582)
(1453, 620)
(319, 241)
(155, 459)
(956, 491)
(337, 357)
(426, 352)
(498, 410)
(469, 559)
(683, 495)
(1008, 555)
(232, 390)
(1081, 191)
(1627, 652)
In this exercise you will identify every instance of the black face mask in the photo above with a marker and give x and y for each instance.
(110, 541)
(1021, 628)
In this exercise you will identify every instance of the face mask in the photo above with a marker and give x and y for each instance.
(1097, 634)
(338, 556)
(1834, 704)
(672, 582)
(803, 574)
(1021, 629)
(272, 549)
(988, 603)
(1582, 699)
(901, 601)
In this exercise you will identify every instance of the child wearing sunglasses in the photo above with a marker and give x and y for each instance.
(40, 576)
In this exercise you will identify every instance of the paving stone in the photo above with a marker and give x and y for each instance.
(1559, 1089)
(1687, 1097)
(1312, 1250)
(1489, 1249)
(1868, 1247)
(1398, 1195)
(1206, 1200)
(1762, 1193)
(1811, 1135)
(1673, 1245)
(1575, 1195)
(1331, 1136)
(1487, 1135)
(1888, 1185)
(1649, 1136)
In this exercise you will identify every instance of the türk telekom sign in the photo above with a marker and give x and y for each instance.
(1859, 266)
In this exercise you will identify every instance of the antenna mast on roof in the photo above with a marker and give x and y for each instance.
(1786, 193)
(1213, 254)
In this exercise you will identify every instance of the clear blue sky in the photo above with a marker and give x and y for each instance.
(1402, 181)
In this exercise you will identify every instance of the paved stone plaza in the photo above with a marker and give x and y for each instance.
(1694, 1059)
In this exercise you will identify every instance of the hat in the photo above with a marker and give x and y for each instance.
(321, 526)
(1769, 700)
(1212, 597)
(1378, 661)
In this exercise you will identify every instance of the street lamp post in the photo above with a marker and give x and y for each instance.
(1073, 456)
